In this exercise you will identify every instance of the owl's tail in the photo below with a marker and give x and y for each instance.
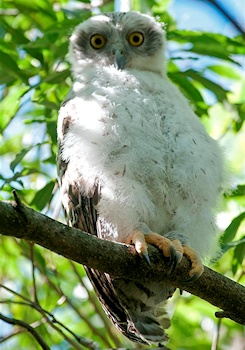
(144, 308)
(148, 326)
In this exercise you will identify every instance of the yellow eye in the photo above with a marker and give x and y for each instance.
(136, 39)
(98, 41)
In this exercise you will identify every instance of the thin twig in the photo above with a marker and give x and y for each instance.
(20, 330)
(85, 319)
(15, 293)
(68, 301)
(85, 342)
(33, 272)
(51, 323)
(228, 16)
(8, 301)
(30, 329)
(216, 337)
(16, 199)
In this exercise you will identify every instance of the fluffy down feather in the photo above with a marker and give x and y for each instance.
(136, 133)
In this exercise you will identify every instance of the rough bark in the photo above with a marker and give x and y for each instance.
(119, 260)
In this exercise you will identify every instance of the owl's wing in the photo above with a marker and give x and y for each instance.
(81, 213)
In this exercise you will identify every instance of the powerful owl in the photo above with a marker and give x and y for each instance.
(135, 163)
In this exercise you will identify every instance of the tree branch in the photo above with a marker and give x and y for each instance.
(30, 329)
(226, 14)
(119, 260)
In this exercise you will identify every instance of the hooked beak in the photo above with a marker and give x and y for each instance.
(119, 59)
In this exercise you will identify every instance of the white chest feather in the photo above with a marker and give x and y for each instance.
(137, 134)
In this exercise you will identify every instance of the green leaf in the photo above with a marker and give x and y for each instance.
(241, 113)
(239, 191)
(19, 157)
(52, 130)
(22, 154)
(6, 78)
(57, 77)
(40, 12)
(207, 84)
(210, 44)
(40, 261)
(232, 229)
(18, 36)
(238, 256)
(11, 145)
(225, 71)
(44, 196)
(10, 105)
(8, 48)
(192, 93)
(10, 65)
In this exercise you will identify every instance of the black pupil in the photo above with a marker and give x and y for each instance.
(98, 41)
(136, 39)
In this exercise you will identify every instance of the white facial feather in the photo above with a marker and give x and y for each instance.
(116, 29)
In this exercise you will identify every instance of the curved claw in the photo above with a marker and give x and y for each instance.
(176, 254)
(172, 259)
(146, 257)
(175, 258)
(138, 239)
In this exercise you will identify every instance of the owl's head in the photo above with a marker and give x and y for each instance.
(125, 40)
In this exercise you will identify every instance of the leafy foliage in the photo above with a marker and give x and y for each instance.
(48, 292)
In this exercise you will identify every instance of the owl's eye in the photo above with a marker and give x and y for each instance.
(98, 41)
(136, 39)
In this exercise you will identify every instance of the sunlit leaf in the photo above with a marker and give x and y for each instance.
(10, 105)
(57, 77)
(220, 92)
(232, 229)
(239, 255)
(10, 65)
(190, 91)
(22, 154)
(43, 196)
(210, 44)
(239, 191)
(241, 113)
(225, 71)
(19, 157)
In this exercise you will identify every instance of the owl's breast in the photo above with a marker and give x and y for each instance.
(134, 132)
(137, 135)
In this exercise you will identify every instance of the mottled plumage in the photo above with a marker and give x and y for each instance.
(134, 159)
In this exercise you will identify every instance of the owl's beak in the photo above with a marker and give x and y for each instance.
(119, 59)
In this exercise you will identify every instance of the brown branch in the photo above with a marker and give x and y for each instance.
(117, 259)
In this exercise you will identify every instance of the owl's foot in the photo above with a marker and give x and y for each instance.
(172, 249)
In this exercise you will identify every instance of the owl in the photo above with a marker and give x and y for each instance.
(135, 164)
